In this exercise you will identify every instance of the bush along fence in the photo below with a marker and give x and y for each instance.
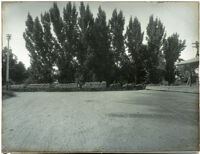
(87, 86)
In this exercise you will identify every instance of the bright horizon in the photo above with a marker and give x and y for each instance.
(176, 17)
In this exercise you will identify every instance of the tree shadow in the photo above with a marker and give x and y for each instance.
(7, 94)
(161, 117)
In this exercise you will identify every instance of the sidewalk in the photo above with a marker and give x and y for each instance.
(181, 88)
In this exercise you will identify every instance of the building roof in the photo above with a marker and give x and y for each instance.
(189, 61)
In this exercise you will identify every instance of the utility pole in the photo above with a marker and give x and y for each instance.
(7, 64)
(197, 47)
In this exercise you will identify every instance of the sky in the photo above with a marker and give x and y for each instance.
(177, 17)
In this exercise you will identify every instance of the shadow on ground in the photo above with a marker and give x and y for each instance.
(7, 94)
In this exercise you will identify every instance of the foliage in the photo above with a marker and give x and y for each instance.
(67, 35)
(101, 63)
(116, 24)
(48, 54)
(134, 38)
(39, 44)
(86, 43)
(172, 49)
(57, 23)
(17, 70)
(82, 48)
(155, 36)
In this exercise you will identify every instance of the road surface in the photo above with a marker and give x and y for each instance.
(141, 120)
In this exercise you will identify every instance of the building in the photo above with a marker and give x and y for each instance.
(188, 68)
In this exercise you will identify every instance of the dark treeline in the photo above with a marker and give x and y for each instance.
(72, 47)
(18, 73)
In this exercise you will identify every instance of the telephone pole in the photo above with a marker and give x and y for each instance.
(197, 47)
(7, 64)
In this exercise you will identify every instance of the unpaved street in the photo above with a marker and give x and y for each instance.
(100, 121)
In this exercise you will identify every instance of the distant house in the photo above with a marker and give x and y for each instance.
(190, 66)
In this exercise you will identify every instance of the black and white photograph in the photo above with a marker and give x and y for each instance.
(100, 76)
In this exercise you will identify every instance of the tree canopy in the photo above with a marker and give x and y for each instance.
(17, 70)
(134, 38)
(155, 37)
(172, 48)
(86, 48)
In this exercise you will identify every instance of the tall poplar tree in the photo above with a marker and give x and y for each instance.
(86, 46)
(116, 25)
(172, 50)
(49, 47)
(57, 23)
(66, 61)
(67, 33)
(41, 62)
(134, 38)
(101, 63)
(29, 42)
(39, 43)
(155, 37)
(34, 44)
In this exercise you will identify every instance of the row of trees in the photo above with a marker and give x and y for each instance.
(74, 47)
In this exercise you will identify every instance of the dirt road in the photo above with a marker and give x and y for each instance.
(100, 121)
